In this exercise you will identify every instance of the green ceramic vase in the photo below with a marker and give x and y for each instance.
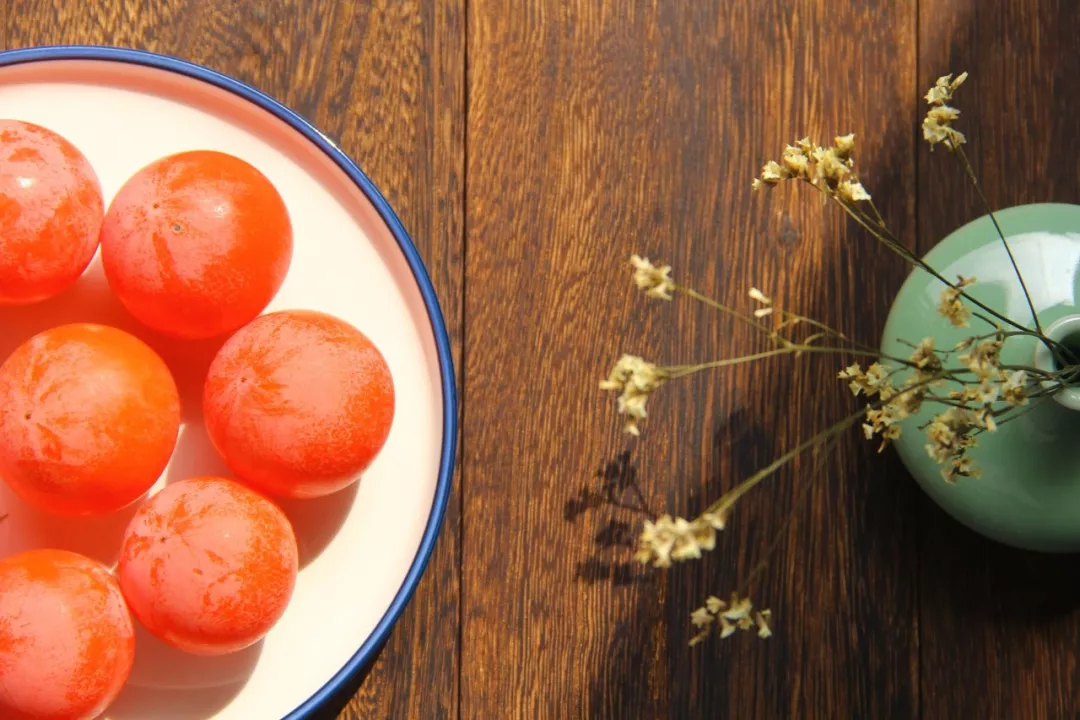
(1029, 492)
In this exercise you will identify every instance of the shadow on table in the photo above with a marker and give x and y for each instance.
(970, 576)
(614, 492)
(643, 667)
(337, 702)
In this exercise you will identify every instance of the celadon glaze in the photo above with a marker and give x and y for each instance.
(1029, 492)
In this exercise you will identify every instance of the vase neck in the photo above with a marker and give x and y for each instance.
(1064, 330)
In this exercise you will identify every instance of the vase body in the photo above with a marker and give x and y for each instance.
(1028, 494)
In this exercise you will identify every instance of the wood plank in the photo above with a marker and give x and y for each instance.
(1007, 609)
(386, 79)
(599, 129)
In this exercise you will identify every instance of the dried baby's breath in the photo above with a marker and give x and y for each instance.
(951, 306)
(677, 539)
(852, 192)
(937, 126)
(829, 168)
(983, 358)
(738, 613)
(635, 379)
(1014, 388)
(655, 281)
(944, 88)
(796, 161)
(950, 437)
(869, 382)
(925, 359)
(764, 299)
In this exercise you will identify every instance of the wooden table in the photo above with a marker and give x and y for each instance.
(530, 147)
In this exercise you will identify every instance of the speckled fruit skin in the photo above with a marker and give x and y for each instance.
(67, 642)
(298, 403)
(196, 244)
(51, 212)
(208, 565)
(89, 417)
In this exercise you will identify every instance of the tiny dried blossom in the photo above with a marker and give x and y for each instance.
(655, 281)
(796, 162)
(736, 614)
(852, 192)
(937, 126)
(771, 174)
(764, 299)
(635, 379)
(950, 305)
(870, 382)
(830, 169)
(1014, 388)
(950, 437)
(925, 358)
(677, 539)
(909, 402)
(759, 296)
(985, 393)
(844, 145)
(944, 88)
(883, 423)
(982, 359)
(938, 129)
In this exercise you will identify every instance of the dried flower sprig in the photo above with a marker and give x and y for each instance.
(738, 613)
(937, 126)
(635, 380)
(678, 539)
(831, 169)
(974, 390)
(655, 281)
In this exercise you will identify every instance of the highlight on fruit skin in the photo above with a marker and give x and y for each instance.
(51, 210)
(208, 566)
(89, 418)
(299, 403)
(196, 244)
(67, 642)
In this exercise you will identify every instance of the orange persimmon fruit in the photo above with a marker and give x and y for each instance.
(196, 244)
(67, 642)
(89, 417)
(298, 403)
(51, 212)
(208, 565)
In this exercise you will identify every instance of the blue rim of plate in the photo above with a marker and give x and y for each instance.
(379, 635)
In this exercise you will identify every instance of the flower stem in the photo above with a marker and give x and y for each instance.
(729, 498)
(890, 242)
(744, 586)
(962, 156)
(751, 321)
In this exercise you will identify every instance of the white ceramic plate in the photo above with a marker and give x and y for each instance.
(362, 550)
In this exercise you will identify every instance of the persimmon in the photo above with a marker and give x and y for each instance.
(67, 642)
(89, 417)
(196, 244)
(298, 403)
(208, 565)
(51, 212)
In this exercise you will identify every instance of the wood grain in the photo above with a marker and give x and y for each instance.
(386, 80)
(982, 655)
(598, 129)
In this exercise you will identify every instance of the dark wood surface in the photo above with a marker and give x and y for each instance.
(530, 147)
